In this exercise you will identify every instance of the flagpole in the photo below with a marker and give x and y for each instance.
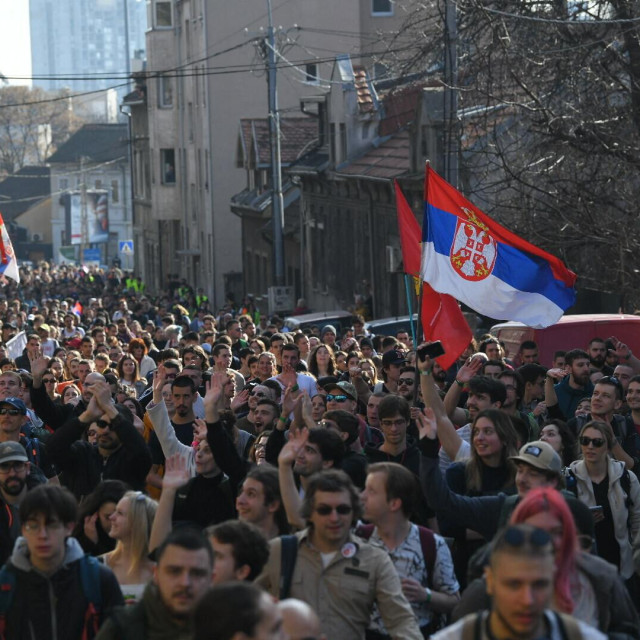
(407, 288)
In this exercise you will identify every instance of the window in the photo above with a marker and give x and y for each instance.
(163, 17)
(311, 70)
(343, 142)
(381, 7)
(168, 166)
(165, 92)
(332, 141)
(115, 191)
(98, 184)
(63, 184)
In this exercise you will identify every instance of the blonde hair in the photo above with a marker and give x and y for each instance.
(142, 511)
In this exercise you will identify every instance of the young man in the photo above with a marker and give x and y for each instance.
(240, 551)
(238, 611)
(520, 580)
(570, 385)
(336, 573)
(181, 578)
(54, 586)
(259, 501)
(429, 583)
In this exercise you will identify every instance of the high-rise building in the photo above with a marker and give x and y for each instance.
(85, 39)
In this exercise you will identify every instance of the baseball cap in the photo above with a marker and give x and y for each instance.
(16, 403)
(45, 327)
(540, 455)
(394, 356)
(8, 325)
(346, 387)
(12, 451)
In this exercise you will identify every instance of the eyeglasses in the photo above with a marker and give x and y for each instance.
(32, 526)
(596, 442)
(332, 398)
(11, 412)
(407, 381)
(48, 380)
(17, 466)
(341, 509)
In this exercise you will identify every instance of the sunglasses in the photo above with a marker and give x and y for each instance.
(6, 467)
(516, 537)
(407, 381)
(341, 509)
(48, 380)
(596, 442)
(332, 398)
(103, 424)
(11, 412)
(258, 394)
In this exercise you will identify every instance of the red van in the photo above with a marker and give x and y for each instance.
(570, 332)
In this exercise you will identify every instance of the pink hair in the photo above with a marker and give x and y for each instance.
(552, 501)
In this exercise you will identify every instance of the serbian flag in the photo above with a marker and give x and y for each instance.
(8, 260)
(441, 316)
(468, 255)
(77, 308)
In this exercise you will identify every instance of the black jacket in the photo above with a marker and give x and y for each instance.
(51, 413)
(83, 467)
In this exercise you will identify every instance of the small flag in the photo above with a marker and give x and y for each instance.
(8, 260)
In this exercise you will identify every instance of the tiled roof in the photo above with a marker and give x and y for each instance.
(23, 190)
(296, 136)
(389, 160)
(364, 95)
(96, 142)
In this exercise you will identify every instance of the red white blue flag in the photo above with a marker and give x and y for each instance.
(471, 257)
(8, 260)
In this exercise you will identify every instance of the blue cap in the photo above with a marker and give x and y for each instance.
(16, 403)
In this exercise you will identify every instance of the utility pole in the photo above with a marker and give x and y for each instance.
(451, 128)
(83, 210)
(277, 202)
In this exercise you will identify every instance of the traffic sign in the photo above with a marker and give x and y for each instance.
(126, 247)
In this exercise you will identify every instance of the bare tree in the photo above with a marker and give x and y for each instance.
(549, 123)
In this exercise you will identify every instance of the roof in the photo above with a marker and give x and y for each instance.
(400, 108)
(96, 142)
(364, 91)
(296, 135)
(23, 190)
(315, 161)
(391, 159)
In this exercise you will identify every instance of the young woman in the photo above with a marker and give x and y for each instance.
(71, 394)
(138, 349)
(614, 499)
(130, 527)
(129, 375)
(318, 406)
(259, 448)
(556, 433)
(322, 362)
(267, 366)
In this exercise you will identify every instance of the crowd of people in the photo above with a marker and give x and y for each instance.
(167, 471)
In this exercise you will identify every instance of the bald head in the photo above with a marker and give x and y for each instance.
(299, 620)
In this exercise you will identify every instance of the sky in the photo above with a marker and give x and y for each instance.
(15, 51)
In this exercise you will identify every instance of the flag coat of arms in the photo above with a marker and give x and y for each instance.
(471, 257)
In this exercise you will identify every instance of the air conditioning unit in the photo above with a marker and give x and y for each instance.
(36, 237)
(393, 259)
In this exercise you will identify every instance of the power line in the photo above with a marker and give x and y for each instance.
(586, 21)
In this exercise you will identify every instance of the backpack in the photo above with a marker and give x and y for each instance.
(90, 578)
(625, 482)
(567, 625)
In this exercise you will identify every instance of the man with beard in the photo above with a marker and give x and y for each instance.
(15, 481)
(570, 385)
(598, 355)
(120, 453)
(181, 577)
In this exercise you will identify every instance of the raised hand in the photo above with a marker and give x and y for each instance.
(199, 429)
(620, 349)
(470, 368)
(292, 448)
(39, 364)
(214, 396)
(557, 374)
(239, 400)
(427, 424)
(176, 474)
(102, 395)
(159, 380)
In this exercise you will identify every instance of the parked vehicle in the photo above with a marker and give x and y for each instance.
(390, 326)
(570, 332)
(339, 319)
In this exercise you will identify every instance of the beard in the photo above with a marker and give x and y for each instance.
(13, 486)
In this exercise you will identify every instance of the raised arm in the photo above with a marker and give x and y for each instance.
(288, 490)
(449, 438)
(467, 371)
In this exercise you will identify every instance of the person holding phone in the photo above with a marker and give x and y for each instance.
(604, 482)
